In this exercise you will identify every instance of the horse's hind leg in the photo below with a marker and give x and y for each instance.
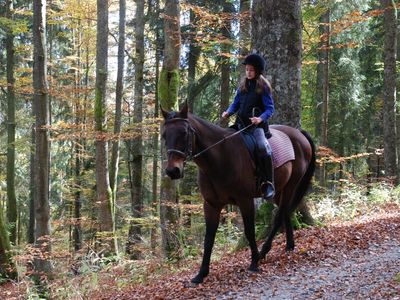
(249, 230)
(211, 215)
(289, 231)
(277, 223)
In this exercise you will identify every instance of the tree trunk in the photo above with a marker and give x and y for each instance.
(7, 268)
(193, 56)
(135, 232)
(119, 89)
(323, 69)
(77, 229)
(168, 92)
(104, 197)
(244, 38)
(225, 58)
(31, 225)
(389, 89)
(276, 33)
(156, 135)
(11, 198)
(42, 153)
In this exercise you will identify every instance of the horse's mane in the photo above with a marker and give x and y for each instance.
(208, 125)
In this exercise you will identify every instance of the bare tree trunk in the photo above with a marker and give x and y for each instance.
(77, 229)
(389, 89)
(7, 267)
(193, 56)
(324, 59)
(119, 90)
(31, 225)
(244, 38)
(11, 197)
(104, 197)
(276, 33)
(154, 199)
(42, 206)
(135, 232)
(168, 92)
(225, 65)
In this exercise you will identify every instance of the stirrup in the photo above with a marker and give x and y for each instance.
(268, 190)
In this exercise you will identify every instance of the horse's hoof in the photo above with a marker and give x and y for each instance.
(253, 269)
(197, 280)
(289, 248)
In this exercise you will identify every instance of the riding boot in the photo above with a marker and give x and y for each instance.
(268, 185)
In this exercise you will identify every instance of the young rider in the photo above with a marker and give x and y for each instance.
(254, 104)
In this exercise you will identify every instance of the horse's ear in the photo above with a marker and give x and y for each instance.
(164, 113)
(184, 110)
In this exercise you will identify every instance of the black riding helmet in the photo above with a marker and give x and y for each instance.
(257, 61)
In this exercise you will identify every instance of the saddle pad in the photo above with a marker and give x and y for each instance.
(282, 148)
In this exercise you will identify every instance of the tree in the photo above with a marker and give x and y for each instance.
(322, 92)
(389, 89)
(42, 152)
(168, 92)
(11, 198)
(7, 268)
(135, 231)
(119, 89)
(104, 195)
(276, 33)
(226, 29)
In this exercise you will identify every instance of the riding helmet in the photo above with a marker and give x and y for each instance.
(257, 61)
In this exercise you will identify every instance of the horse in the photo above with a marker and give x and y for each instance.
(226, 175)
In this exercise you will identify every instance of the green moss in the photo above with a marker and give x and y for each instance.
(168, 88)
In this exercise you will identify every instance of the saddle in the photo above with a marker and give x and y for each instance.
(282, 148)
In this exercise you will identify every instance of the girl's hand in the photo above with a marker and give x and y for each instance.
(256, 120)
(225, 114)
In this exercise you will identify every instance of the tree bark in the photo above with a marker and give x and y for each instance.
(276, 34)
(7, 267)
(155, 142)
(104, 197)
(168, 92)
(11, 197)
(389, 90)
(245, 37)
(323, 87)
(135, 231)
(193, 56)
(119, 90)
(224, 60)
(42, 153)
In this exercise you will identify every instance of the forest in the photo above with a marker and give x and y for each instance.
(86, 208)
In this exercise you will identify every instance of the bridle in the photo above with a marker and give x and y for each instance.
(188, 154)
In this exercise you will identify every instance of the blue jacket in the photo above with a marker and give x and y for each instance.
(244, 102)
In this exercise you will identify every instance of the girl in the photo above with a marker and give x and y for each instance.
(254, 104)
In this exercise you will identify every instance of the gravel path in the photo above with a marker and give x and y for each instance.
(373, 273)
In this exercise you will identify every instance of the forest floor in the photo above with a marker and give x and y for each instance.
(358, 259)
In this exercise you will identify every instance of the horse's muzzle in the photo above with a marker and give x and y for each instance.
(174, 173)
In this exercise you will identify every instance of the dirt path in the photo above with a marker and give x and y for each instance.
(359, 274)
(348, 260)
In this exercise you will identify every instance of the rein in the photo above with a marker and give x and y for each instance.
(189, 149)
(221, 141)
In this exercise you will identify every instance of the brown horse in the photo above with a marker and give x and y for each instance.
(227, 176)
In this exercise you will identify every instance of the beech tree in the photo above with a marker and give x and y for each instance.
(42, 153)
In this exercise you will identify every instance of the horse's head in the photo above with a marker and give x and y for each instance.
(178, 135)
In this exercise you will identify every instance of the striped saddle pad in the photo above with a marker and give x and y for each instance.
(282, 148)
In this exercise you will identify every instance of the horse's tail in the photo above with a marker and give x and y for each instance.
(306, 180)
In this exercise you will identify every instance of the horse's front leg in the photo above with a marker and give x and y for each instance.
(249, 230)
(211, 215)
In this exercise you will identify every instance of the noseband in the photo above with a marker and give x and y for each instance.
(188, 154)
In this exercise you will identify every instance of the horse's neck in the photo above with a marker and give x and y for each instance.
(207, 135)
